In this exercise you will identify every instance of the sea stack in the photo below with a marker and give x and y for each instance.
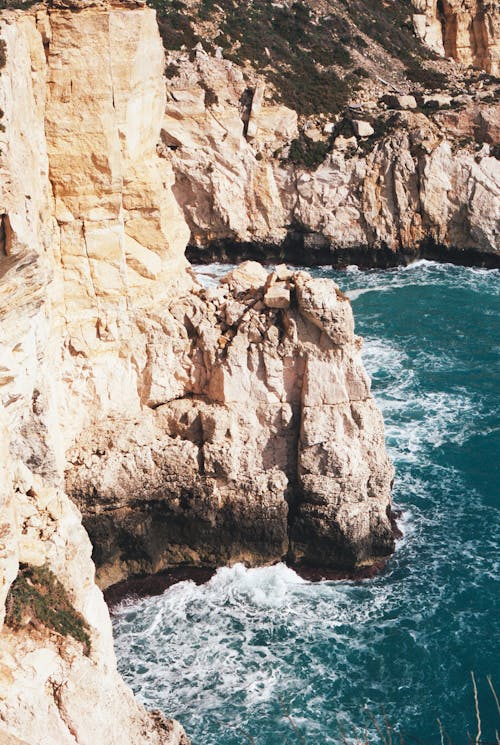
(146, 421)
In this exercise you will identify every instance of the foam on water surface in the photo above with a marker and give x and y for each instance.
(260, 655)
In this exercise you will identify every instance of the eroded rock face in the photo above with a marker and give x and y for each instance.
(223, 188)
(275, 450)
(420, 181)
(467, 30)
(64, 280)
(190, 425)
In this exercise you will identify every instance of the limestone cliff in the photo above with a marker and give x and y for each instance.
(74, 208)
(384, 178)
(467, 30)
(274, 449)
(326, 131)
(189, 425)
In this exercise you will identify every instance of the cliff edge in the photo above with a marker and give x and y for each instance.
(82, 212)
(327, 132)
(190, 426)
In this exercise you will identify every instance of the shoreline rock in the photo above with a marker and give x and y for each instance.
(156, 584)
(191, 426)
(425, 182)
(80, 187)
(275, 449)
(306, 249)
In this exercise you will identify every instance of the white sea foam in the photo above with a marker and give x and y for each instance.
(210, 274)
(355, 294)
(233, 649)
(417, 420)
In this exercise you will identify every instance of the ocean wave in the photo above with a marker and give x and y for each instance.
(255, 650)
(209, 275)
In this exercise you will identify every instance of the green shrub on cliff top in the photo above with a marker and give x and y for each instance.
(37, 598)
(308, 56)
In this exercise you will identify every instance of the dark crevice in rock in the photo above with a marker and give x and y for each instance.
(5, 236)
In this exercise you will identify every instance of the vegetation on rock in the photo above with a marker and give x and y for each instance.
(308, 154)
(16, 5)
(311, 59)
(37, 598)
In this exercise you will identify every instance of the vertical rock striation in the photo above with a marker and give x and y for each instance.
(189, 425)
(275, 450)
(73, 210)
(419, 181)
(467, 30)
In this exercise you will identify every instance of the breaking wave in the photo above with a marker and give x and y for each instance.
(260, 655)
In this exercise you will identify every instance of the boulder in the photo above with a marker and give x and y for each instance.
(246, 276)
(362, 128)
(277, 296)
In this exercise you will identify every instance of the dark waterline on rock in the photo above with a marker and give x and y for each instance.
(313, 249)
(149, 585)
(232, 657)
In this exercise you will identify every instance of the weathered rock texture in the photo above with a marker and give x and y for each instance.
(467, 30)
(418, 180)
(275, 449)
(189, 425)
(86, 223)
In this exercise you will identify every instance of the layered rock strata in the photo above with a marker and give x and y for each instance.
(86, 222)
(467, 30)
(421, 185)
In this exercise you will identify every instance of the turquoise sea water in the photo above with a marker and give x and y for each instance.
(261, 656)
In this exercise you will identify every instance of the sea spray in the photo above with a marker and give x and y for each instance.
(261, 653)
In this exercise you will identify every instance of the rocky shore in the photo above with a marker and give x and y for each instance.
(406, 166)
(274, 450)
(188, 426)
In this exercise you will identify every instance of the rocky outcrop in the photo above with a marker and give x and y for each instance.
(467, 30)
(225, 185)
(74, 212)
(189, 425)
(275, 450)
(53, 689)
(420, 179)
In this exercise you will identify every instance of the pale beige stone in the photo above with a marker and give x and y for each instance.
(255, 109)
(345, 143)
(69, 342)
(466, 30)
(349, 200)
(274, 125)
(407, 102)
(221, 453)
(362, 128)
(282, 272)
(277, 296)
(248, 275)
(438, 98)
(429, 29)
(314, 134)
